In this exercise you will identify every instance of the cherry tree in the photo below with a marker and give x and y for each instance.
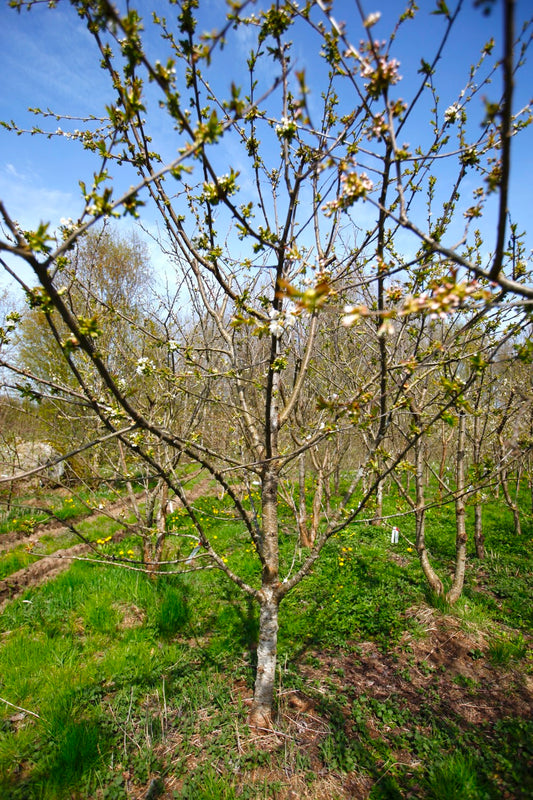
(290, 206)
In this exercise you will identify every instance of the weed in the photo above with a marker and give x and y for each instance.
(504, 649)
(173, 612)
(116, 790)
(438, 601)
(15, 560)
(451, 777)
(99, 614)
(465, 681)
(337, 754)
(206, 784)
(78, 747)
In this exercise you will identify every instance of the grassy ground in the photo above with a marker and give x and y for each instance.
(121, 687)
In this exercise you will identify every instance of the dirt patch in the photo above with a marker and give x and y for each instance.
(449, 667)
(131, 615)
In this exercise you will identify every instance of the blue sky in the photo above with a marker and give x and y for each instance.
(48, 60)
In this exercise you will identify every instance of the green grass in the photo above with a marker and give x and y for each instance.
(21, 519)
(453, 776)
(71, 505)
(134, 680)
(505, 649)
(15, 559)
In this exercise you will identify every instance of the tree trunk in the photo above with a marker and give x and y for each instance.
(512, 505)
(444, 452)
(153, 547)
(303, 531)
(317, 504)
(479, 537)
(432, 578)
(161, 518)
(460, 515)
(261, 711)
(518, 480)
(378, 514)
(337, 470)
(504, 482)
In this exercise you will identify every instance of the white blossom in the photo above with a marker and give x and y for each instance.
(350, 316)
(290, 318)
(286, 128)
(372, 19)
(450, 115)
(281, 321)
(144, 366)
(276, 324)
(386, 328)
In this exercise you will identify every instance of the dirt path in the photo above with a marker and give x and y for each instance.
(39, 572)
(50, 566)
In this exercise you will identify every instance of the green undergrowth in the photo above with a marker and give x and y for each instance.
(118, 685)
(44, 505)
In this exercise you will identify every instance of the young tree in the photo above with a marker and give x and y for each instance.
(268, 244)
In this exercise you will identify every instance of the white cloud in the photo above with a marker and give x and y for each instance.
(29, 202)
(12, 170)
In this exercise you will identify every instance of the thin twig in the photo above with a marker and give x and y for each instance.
(19, 708)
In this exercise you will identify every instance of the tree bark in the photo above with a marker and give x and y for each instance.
(432, 578)
(444, 452)
(268, 548)
(303, 531)
(378, 513)
(512, 505)
(479, 538)
(317, 504)
(261, 711)
(504, 482)
(460, 516)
